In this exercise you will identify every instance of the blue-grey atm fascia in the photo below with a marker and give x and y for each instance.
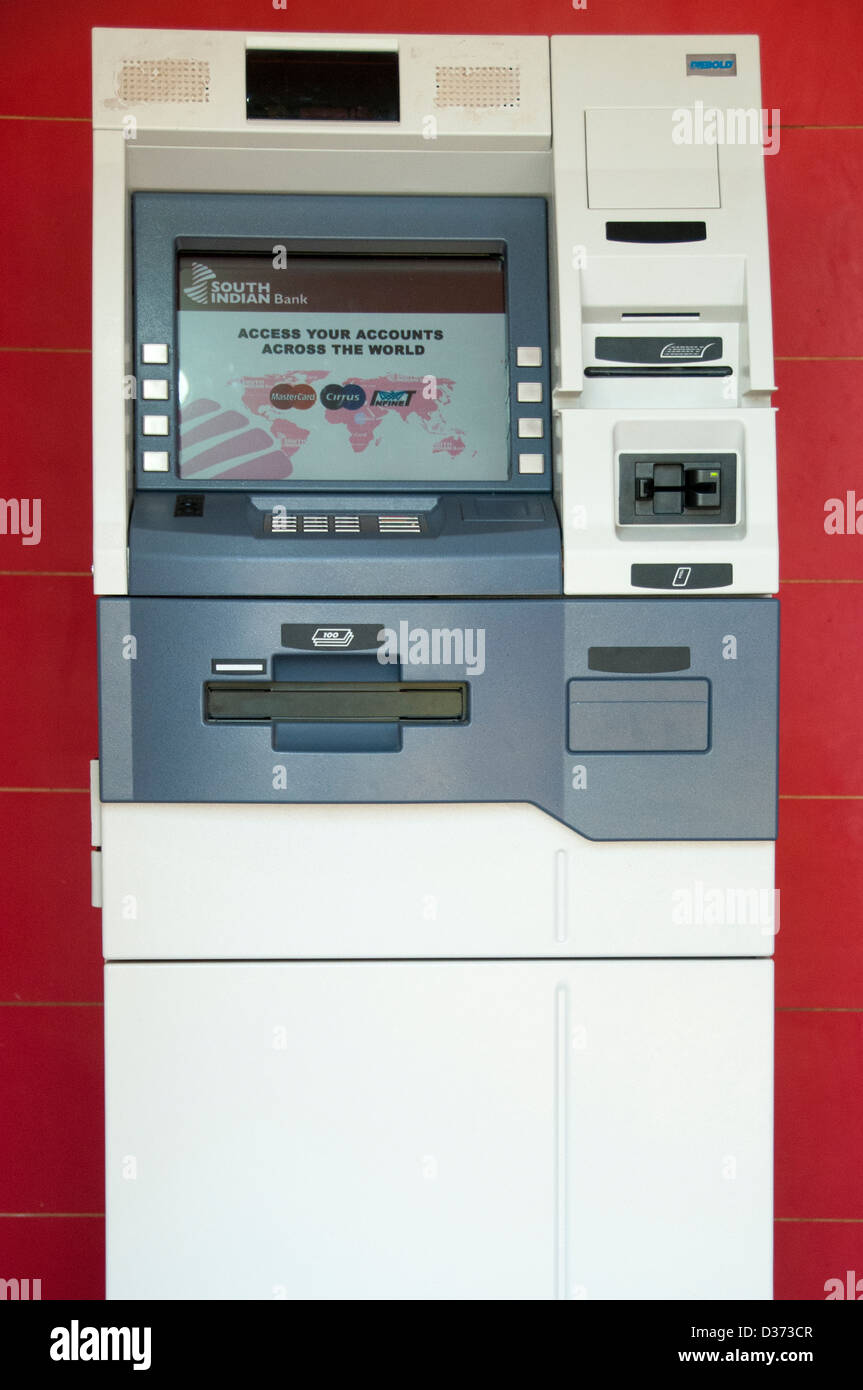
(626, 719)
(165, 224)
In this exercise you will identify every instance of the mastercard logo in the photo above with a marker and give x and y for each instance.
(289, 396)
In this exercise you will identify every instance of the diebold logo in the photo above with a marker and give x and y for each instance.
(681, 577)
(711, 64)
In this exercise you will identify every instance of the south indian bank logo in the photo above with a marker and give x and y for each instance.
(200, 288)
(206, 288)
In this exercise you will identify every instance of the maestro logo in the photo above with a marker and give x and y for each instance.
(347, 397)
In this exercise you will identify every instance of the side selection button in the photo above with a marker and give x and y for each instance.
(529, 392)
(155, 461)
(531, 463)
(152, 389)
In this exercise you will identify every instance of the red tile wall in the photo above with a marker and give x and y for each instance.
(51, 1193)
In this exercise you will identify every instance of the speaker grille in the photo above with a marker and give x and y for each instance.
(490, 87)
(167, 79)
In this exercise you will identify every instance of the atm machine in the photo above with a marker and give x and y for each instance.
(435, 534)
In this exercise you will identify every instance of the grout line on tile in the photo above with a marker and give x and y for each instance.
(53, 791)
(85, 350)
(78, 120)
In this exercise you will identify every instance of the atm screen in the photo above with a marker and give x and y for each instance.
(343, 368)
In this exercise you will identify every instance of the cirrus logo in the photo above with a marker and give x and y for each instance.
(347, 397)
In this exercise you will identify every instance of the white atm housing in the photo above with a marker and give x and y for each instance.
(430, 1049)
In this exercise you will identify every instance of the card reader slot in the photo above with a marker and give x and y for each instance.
(657, 371)
(323, 702)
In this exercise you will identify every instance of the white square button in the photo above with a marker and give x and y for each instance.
(154, 390)
(155, 461)
(156, 424)
(531, 463)
(529, 392)
(530, 427)
(528, 357)
(154, 354)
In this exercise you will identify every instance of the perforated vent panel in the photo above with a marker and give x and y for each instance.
(167, 79)
(489, 87)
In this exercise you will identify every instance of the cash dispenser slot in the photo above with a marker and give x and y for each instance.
(341, 702)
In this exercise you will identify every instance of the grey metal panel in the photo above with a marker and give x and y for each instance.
(633, 716)
(520, 656)
(462, 550)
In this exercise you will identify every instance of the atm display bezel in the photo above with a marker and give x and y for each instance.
(165, 224)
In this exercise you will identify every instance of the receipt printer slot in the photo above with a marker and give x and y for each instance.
(341, 702)
(639, 716)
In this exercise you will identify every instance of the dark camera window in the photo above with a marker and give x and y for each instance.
(311, 85)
